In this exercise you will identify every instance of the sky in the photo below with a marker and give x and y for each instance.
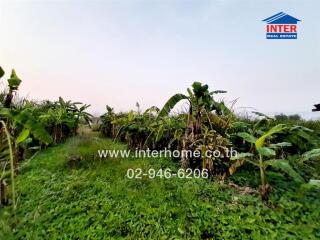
(122, 52)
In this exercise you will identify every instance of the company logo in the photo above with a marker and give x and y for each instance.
(281, 26)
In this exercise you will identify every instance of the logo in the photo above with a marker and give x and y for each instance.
(281, 26)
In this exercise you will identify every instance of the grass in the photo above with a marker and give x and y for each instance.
(95, 200)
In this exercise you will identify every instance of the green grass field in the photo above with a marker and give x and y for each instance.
(95, 200)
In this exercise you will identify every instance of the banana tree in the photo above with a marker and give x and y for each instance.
(15, 131)
(165, 132)
(13, 84)
(211, 141)
(201, 102)
(107, 128)
(263, 155)
(3, 127)
(21, 119)
(81, 115)
(20, 123)
(62, 118)
(133, 128)
(16, 126)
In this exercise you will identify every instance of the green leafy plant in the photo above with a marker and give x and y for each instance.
(62, 118)
(13, 84)
(107, 127)
(263, 156)
(11, 159)
(201, 102)
(16, 127)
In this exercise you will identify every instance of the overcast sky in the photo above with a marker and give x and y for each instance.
(121, 52)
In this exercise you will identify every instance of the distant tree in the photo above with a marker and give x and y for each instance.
(295, 117)
(283, 117)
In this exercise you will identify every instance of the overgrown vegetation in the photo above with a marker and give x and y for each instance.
(27, 126)
(95, 200)
(268, 143)
(67, 192)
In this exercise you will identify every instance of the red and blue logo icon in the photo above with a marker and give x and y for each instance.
(281, 26)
